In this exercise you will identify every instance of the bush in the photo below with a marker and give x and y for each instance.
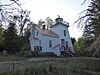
(47, 54)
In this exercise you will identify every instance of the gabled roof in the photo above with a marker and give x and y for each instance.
(61, 24)
(48, 32)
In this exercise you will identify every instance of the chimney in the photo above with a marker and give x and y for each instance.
(43, 27)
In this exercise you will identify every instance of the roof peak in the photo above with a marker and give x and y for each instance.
(48, 32)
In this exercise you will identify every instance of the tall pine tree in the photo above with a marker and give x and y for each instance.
(11, 41)
(92, 27)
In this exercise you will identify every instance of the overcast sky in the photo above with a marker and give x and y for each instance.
(67, 9)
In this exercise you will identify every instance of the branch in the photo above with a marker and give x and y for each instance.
(82, 17)
(84, 2)
(7, 4)
(16, 2)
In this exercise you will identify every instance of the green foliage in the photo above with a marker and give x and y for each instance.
(90, 20)
(1, 38)
(11, 39)
(16, 37)
(1, 32)
(92, 28)
(80, 46)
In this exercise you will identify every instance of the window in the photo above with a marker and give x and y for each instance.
(66, 44)
(62, 42)
(50, 43)
(64, 32)
(40, 42)
(37, 34)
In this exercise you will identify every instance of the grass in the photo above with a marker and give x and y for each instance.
(51, 66)
(10, 58)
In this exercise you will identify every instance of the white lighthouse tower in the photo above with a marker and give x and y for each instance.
(61, 28)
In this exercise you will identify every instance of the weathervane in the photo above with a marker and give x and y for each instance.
(58, 16)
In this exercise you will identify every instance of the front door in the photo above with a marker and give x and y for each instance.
(62, 42)
(66, 45)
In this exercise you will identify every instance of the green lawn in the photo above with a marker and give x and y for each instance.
(51, 66)
(10, 58)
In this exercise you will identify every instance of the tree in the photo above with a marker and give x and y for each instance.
(40, 23)
(23, 20)
(1, 38)
(49, 22)
(1, 32)
(12, 11)
(90, 20)
(80, 46)
(11, 41)
(8, 9)
(18, 24)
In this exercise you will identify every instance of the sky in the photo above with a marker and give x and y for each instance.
(67, 9)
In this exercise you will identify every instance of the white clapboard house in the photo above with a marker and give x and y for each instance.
(55, 39)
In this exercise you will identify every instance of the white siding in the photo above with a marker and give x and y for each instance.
(34, 42)
(45, 43)
(58, 29)
(56, 41)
